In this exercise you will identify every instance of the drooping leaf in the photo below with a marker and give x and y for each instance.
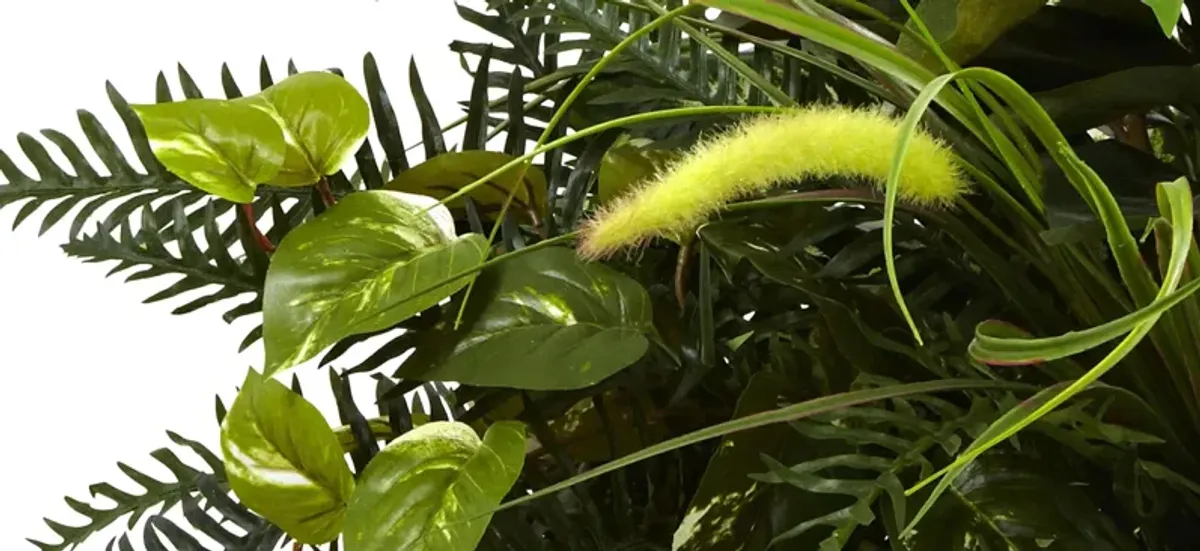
(723, 512)
(429, 489)
(222, 147)
(356, 268)
(324, 121)
(542, 321)
(446, 173)
(284, 462)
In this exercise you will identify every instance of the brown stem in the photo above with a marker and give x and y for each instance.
(264, 243)
(326, 195)
(681, 270)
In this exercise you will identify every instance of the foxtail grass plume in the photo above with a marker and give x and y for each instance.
(815, 142)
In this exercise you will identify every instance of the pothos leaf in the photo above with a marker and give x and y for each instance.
(324, 121)
(222, 147)
(284, 462)
(542, 321)
(429, 489)
(358, 268)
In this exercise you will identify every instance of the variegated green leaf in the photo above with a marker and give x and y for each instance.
(324, 121)
(284, 462)
(360, 267)
(432, 488)
(541, 321)
(222, 147)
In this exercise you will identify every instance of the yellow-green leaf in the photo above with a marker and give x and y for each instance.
(432, 488)
(284, 462)
(222, 147)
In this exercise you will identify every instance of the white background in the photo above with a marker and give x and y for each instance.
(90, 375)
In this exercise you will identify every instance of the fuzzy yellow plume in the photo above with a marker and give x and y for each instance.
(816, 142)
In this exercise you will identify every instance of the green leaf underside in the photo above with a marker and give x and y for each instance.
(447, 173)
(420, 491)
(324, 121)
(542, 321)
(354, 270)
(221, 147)
(284, 461)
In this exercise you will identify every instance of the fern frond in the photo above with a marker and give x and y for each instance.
(155, 493)
(885, 443)
(146, 249)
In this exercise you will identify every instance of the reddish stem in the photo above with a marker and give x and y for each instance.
(263, 242)
(326, 195)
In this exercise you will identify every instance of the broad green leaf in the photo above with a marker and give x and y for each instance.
(433, 488)
(364, 265)
(542, 321)
(625, 166)
(447, 173)
(965, 28)
(1006, 501)
(1167, 12)
(222, 147)
(284, 462)
(324, 120)
(722, 514)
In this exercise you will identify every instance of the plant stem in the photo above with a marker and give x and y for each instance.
(326, 195)
(263, 241)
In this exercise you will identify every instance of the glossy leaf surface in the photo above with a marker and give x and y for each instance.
(359, 268)
(284, 462)
(224, 148)
(432, 488)
(542, 321)
(324, 120)
(448, 172)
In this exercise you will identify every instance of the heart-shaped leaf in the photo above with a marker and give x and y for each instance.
(324, 120)
(448, 172)
(284, 462)
(542, 321)
(222, 147)
(429, 489)
(359, 268)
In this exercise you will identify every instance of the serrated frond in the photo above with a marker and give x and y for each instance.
(163, 494)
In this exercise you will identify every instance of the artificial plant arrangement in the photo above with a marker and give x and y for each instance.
(802, 275)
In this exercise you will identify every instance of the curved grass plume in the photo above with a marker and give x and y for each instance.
(796, 144)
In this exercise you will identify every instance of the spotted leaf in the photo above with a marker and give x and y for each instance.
(431, 489)
(324, 121)
(222, 147)
(360, 267)
(541, 321)
(284, 462)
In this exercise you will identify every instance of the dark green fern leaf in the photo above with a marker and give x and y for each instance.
(155, 493)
